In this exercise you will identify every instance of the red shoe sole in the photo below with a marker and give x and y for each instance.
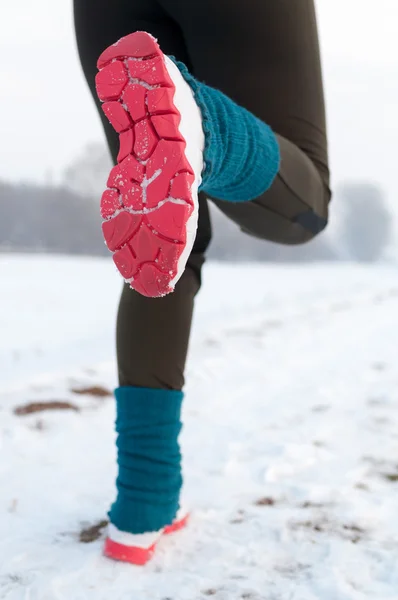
(135, 555)
(130, 554)
(148, 201)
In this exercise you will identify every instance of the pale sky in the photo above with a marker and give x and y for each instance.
(47, 115)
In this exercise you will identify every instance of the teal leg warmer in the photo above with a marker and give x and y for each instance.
(242, 154)
(149, 482)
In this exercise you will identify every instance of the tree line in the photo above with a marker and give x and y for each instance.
(64, 218)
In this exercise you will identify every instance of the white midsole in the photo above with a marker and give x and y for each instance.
(192, 131)
(139, 540)
(143, 540)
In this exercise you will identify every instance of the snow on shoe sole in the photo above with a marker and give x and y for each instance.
(150, 207)
(138, 549)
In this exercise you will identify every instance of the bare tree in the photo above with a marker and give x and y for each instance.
(367, 222)
(87, 174)
(48, 219)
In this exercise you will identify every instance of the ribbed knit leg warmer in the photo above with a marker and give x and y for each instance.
(149, 480)
(241, 153)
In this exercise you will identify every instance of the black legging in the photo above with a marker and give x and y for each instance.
(265, 56)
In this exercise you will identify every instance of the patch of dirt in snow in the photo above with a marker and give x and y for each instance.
(392, 477)
(325, 524)
(385, 469)
(266, 501)
(35, 407)
(97, 391)
(92, 533)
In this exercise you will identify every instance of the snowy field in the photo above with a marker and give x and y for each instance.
(290, 438)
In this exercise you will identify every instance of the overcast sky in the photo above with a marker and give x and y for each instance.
(47, 115)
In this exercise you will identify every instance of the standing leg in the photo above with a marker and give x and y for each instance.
(152, 334)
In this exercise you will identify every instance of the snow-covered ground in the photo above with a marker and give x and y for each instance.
(290, 439)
